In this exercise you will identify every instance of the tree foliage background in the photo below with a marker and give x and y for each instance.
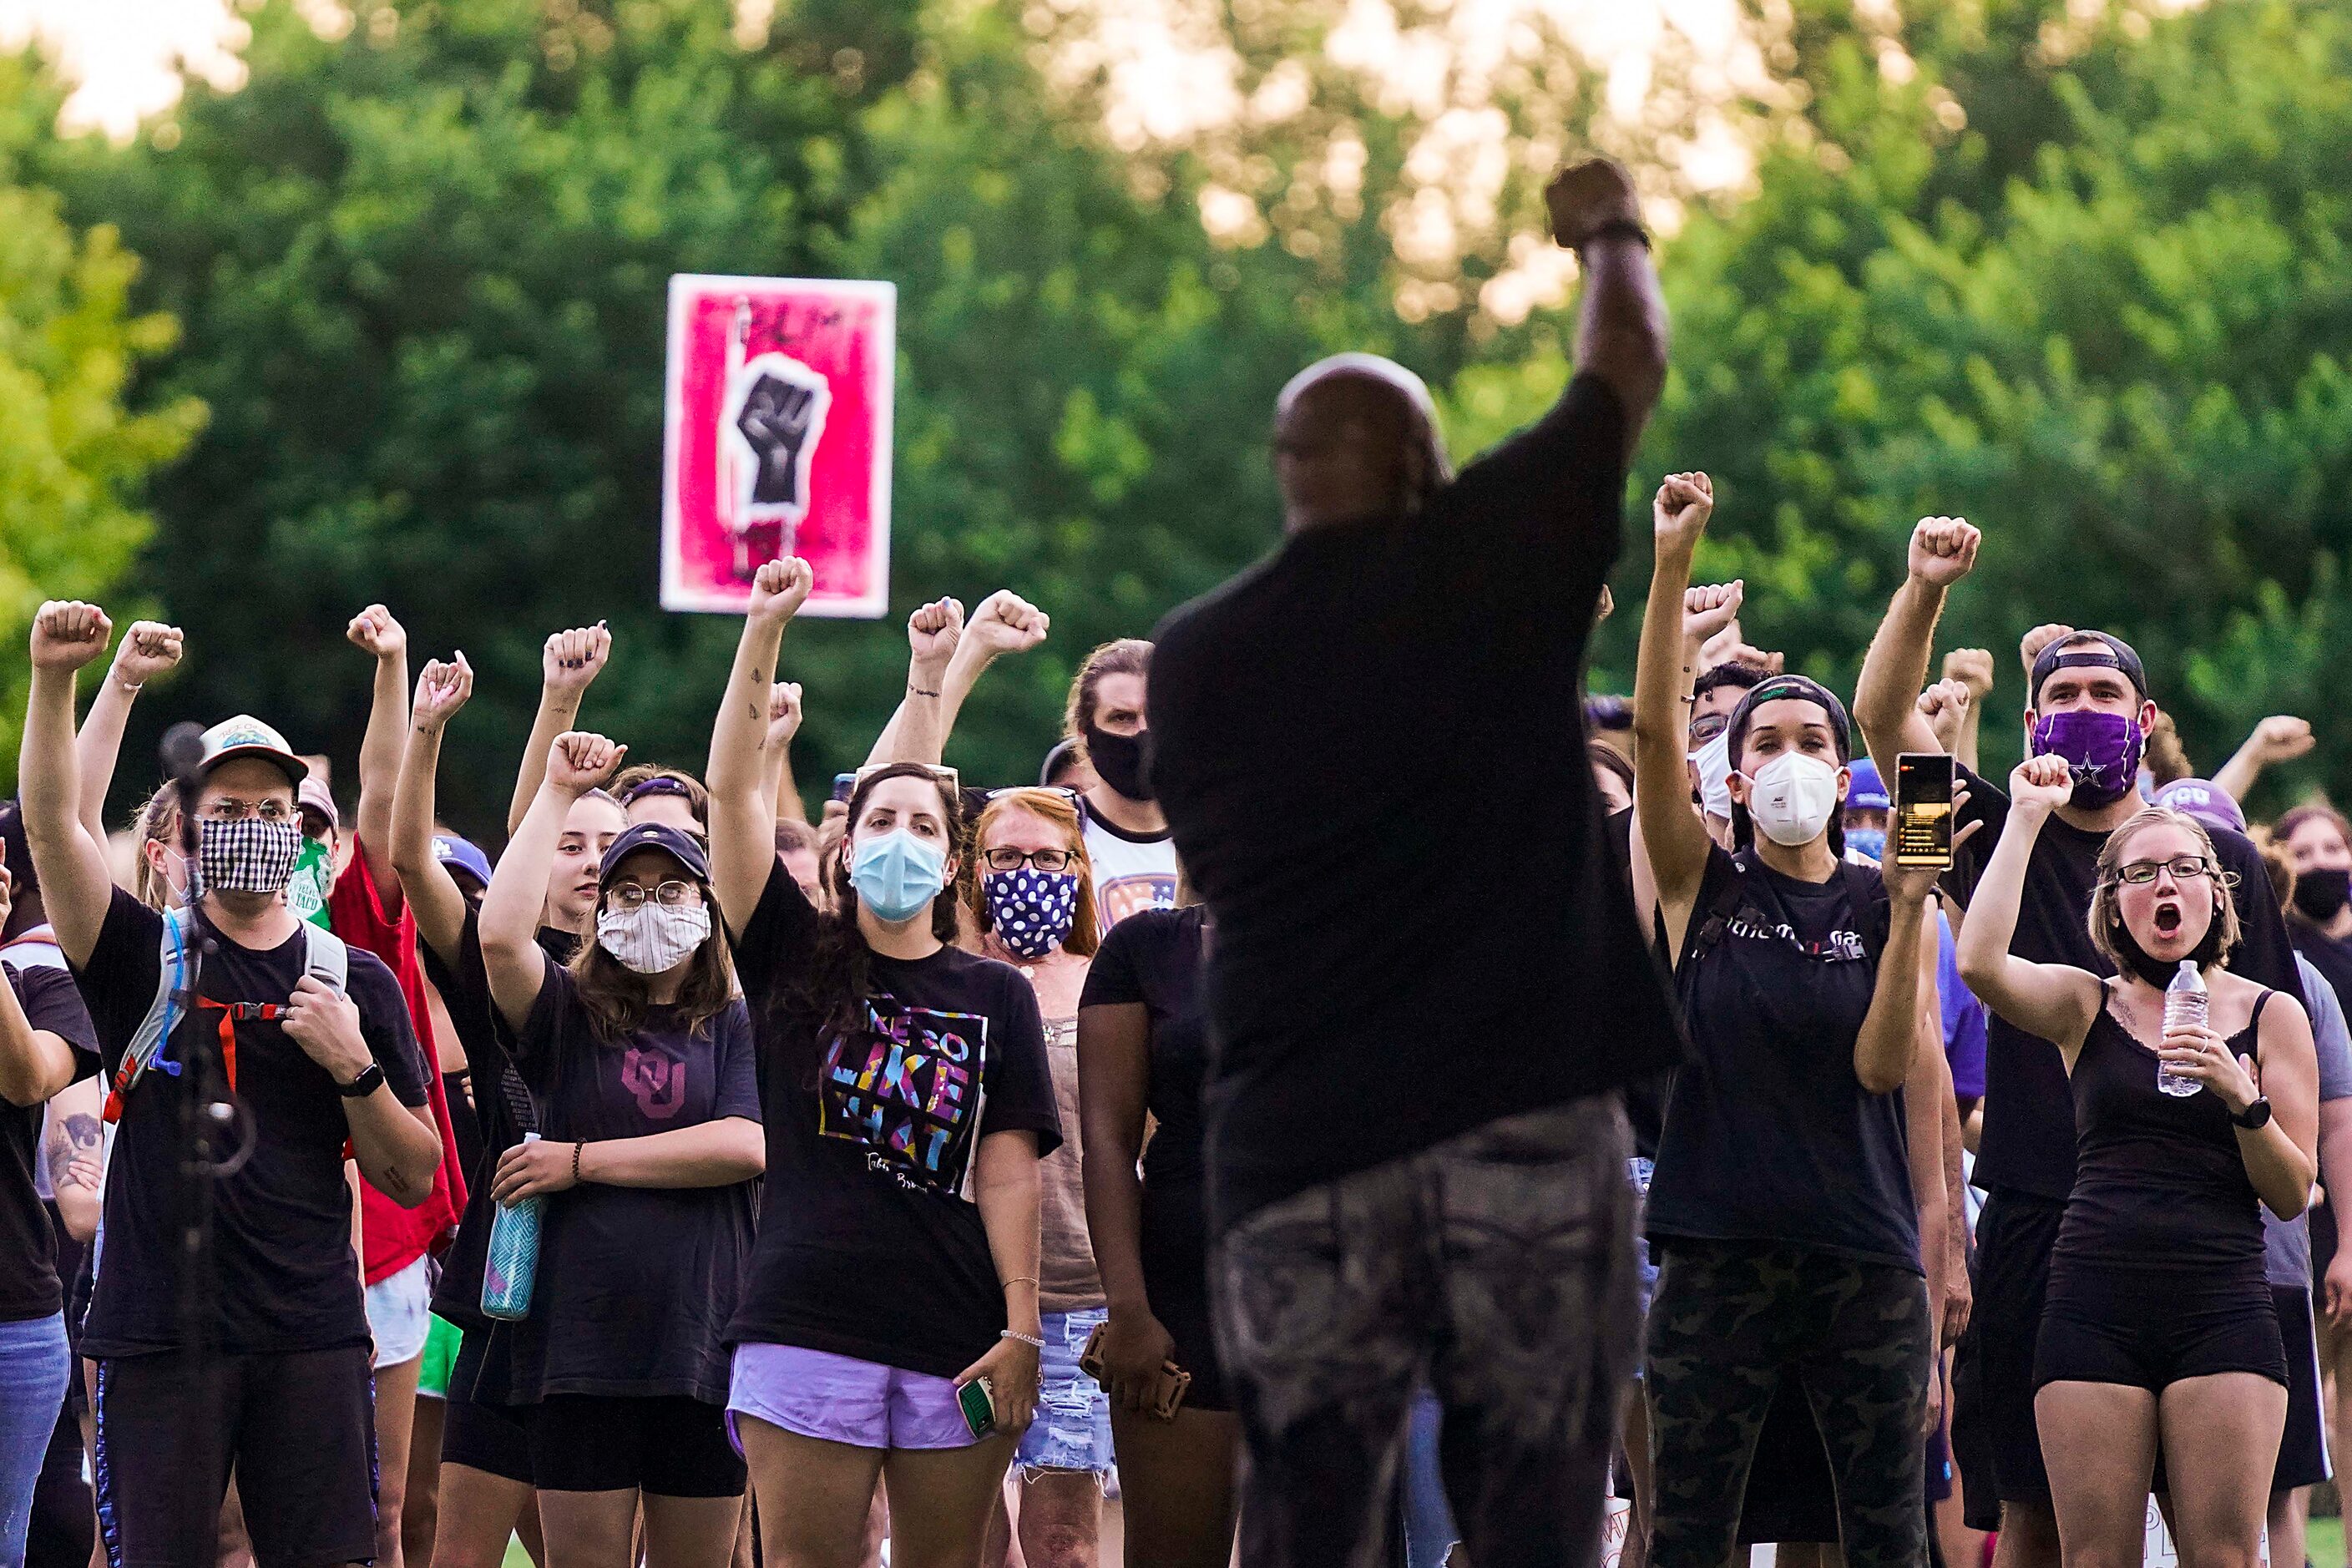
(2077, 273)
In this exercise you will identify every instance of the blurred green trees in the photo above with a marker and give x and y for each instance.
(2083, 280)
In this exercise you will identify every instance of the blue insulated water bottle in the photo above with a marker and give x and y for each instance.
(513, 1263)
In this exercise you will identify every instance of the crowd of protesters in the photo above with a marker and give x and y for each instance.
(1369, 1101)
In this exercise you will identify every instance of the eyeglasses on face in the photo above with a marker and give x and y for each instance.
(242, 810)
(2186, 869)
(671, 895)
(1708, 726)
(1043, 859)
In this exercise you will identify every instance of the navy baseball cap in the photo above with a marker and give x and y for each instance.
(2076, 650)
(462, 856)
(680, 846)
(1868, 790)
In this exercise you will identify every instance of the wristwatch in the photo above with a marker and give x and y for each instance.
(371, 1078)
(2255, 1116)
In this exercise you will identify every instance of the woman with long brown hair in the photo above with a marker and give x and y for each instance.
(889, 1324)
(639, 1058)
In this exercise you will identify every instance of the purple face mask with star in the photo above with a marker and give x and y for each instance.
(2102, 750)
(1032, 911)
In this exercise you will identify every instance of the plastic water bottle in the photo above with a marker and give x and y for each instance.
(2184, 1008)
(513, 1263)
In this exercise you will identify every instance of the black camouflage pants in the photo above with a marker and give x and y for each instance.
(1728, 1319)
(1498, 1267)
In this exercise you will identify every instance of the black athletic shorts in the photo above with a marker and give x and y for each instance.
(1993, 1435)
(298, 1428)
(2150, 1328)
(670, 1446)
(2303, 1450)
(475, 1431)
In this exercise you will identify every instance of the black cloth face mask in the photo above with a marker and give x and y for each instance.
(1119, 761)
(2321, 891)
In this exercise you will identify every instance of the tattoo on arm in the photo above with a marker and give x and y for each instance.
(71, 1138)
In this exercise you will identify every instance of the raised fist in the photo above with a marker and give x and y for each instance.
(441, 690)
(1945, 705)
(373, 631)
(775, 423)
(68, 634)
(1943, 549)
(1006, 623)
(2030, 646)
(933, 631)
(578, 761)
(2282, 738)
(2041, 784)
(146, 651)
(1585, 197)
(569, 660)
(1711, 609)
(1678, 512)
(783, 712)
(779, 589)
(1972, 668)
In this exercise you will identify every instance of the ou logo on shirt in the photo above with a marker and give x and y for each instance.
(659, 1082)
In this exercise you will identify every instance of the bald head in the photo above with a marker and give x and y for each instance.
(1355, 436)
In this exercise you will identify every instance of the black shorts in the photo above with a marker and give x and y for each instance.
(669, 1446)
(298, 1428)
(478, 1432)
(2150, 1328)
(1993, 1435)
(2302, 1448)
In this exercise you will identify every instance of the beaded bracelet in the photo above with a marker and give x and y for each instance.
(1030, 1340)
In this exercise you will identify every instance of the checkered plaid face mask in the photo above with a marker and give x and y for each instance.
(247, 855)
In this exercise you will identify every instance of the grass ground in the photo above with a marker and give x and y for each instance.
(2326, 1543)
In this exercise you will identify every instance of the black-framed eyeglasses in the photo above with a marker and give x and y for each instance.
(2186, 869)
(669, 895)
(1047, 860)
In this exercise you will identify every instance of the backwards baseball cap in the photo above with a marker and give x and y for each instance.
(1784, 689)
(247, 736)
(462, 858)
(1868, 790)
(660, 835)
(2072, 652)
(2208, 803)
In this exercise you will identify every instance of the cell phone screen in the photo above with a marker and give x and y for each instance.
(1922, 810)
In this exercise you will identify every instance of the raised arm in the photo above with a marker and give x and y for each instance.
(1114, 1081)
(784, 712)
(375, 632)
(715, 1154)
(917, 731)
(1620, 330)
(1005, 623)
(68, 859)
(576, 763)
(1972, 668)
(1885, 701)
(568, 664)
(2278, 739)
(431, 891)
(742, 818)
(1673, 837)
(146, 651)
(2056, 1001)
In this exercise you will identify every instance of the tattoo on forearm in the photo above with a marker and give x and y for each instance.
(72, 1138)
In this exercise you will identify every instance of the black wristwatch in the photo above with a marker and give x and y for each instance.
(2255, 1117)
(371, 1078)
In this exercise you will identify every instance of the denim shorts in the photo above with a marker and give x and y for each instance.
(1072, 1431)
(840, 1399)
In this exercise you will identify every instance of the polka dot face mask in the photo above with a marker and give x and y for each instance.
(1032, 911)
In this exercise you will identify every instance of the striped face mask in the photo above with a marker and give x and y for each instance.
(247, 855)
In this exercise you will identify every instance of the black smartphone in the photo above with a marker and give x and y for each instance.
(1922, 835)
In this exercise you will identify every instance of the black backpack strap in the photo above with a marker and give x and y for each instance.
(1710, 921)
(1873, 907)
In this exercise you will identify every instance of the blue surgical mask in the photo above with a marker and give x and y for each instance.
(1870, 841)
(897, 875)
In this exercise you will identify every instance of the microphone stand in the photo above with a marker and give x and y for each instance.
(207, 1118)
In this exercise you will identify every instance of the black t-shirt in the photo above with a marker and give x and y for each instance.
(2332, 958)
(1768, 1135)
(285, 1279)
(1155, 958)
(870, 1244)
(497, 1119)
(635, 1284)
(1370, 747)
(2029, 1112)
(29, 1258)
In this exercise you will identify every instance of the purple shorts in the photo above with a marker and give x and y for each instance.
(840, 1399)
